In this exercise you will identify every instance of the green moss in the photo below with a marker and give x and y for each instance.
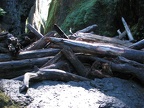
(88, 12)
(51, 15)
(5, 102)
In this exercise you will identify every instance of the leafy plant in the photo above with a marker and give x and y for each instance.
(2, 12)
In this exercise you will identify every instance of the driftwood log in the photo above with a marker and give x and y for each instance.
(32, 29)
(7, 69)
(80, 68)
(81, 56)
(51, 74)
(99, 49)
(97, 38)
(30, 54)
(127, 30)
(138, 45)
(40, 43)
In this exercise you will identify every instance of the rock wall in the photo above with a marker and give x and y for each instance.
(16, 14)
(38, 14)
(78, 14)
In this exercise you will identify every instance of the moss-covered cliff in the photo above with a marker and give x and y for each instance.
(78, 14)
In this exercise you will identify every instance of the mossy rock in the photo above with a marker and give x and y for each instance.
(88, 12)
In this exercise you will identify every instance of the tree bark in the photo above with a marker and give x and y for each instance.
(97, 38)
(99, 49)
(32, 29)
(29, 54)
(51, 74)
(80, 68)
(40, 43)
(8, 69)
(53, 60)
(138, 45)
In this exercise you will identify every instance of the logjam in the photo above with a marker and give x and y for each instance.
(80, 56)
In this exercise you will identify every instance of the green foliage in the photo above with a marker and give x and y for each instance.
(51, 15)
(88, 12)
(5, 102)
(2, 12)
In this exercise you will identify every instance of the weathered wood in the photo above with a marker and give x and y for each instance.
(32, 29)
(80, 68)
(119, 32)
(52, 74)
(98, 38)
(127, 30)
(130, 62)
(138, 45)
(7, 69)
(59, 31)
(40, 43)
(88, 29)
(99, 49)
(62, 65)
(121, 36)
(127, 68)
(30, 54)
(123, 68)
(53, 60)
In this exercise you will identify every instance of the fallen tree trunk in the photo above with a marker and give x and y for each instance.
(97, 38)
(99, 49)
(8, 69)
(40, 43)
(53, 60)
(87, 29)
(122, 68)
(30, 54)
(80, 68)
(62, 65)
(138, 45)
(32, 29)
(60, 32)
(51, 74)
(127, 30)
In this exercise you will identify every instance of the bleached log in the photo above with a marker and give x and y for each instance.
(138, 45)
(50, 74)
(88, 29)
(97, 38)
(127, 30)
(99, 49)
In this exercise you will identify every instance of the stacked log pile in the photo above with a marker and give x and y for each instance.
(80, 56)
